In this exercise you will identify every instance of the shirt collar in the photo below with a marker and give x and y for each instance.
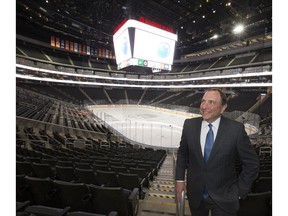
(215, 123)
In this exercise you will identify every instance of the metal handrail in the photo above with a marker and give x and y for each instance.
(180, 206)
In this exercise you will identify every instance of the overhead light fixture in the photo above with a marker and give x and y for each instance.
(238, 29)
(42, 9)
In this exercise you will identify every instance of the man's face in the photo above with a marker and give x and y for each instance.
(211, 107)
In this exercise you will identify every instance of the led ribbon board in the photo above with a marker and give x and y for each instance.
(139, 44)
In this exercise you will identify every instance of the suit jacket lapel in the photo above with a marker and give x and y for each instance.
(197, 139)
(219, 139)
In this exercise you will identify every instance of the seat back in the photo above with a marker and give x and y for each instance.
(118, 169)
(129, 181)
(101, 162)
(107, 199)
(23, 192)
(256, 204)
(43, 170)
(24, 167)
(79, 213)
(66, 174)
(263, 184)
(100, 167)
(75, 195)
(87, 160)
(107, 178)
(33, 159)
(129, 165)
(50, 161)
(65, 163)
(143, 174)
(43, 191)
(86, 176)
(82, 165)
(46, 210)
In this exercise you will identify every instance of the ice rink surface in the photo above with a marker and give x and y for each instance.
(144, 124)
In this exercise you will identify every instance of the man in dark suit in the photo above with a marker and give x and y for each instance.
(214, 184)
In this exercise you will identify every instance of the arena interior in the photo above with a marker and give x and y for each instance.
(96, 138)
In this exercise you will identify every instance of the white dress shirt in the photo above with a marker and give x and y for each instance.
(205, 129)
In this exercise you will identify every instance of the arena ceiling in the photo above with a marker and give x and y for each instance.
(196, 22)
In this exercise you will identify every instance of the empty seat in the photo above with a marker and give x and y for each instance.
(66, 174)
(86, 176)
(265, 173)
(75, 195)
(88, 160)
(23, 192)
(107, 199)
(52, 162)
(24, 168)
(107, 178)
(65, 163)
(129, 165)
(143, 174)
(100, 167)
(262, 184)
(130, 181)
(20, 206)
(256, 204)
(155, 166)
(79, 213)
(43, 170)
(149, 169)
(40, 210)
(82, 165)
(118, 169)
(101, 162)
(43, 191)
(33, 159)
(115, 163)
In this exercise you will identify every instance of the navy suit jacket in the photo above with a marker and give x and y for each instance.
(218, 174)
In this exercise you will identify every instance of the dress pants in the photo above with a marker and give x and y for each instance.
(207, 204)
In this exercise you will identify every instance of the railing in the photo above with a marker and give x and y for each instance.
(180, 204)
(58, 128)
(50, 127)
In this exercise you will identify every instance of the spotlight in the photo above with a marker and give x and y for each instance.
(238, 29)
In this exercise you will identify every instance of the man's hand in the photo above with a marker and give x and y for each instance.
(179, 187)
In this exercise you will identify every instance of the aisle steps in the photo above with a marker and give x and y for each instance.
(160, 197)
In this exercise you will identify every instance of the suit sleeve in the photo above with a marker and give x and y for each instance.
(250, 163)
(182, 154)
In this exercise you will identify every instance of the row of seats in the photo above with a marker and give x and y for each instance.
(135, 178)
(25, 209)
(77, 196)
(83, 172)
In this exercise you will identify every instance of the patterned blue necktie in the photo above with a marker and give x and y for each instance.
(208, 143)
(207, 150)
